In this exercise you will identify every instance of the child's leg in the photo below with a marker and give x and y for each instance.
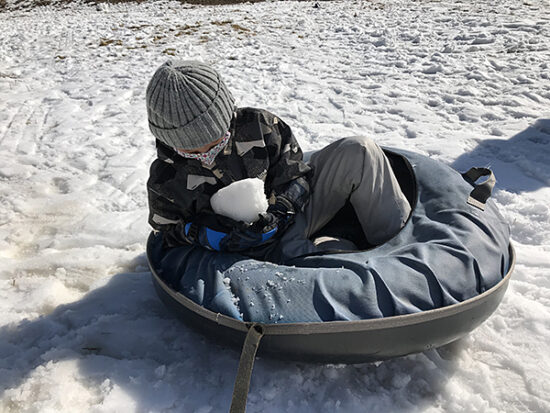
(356, 169)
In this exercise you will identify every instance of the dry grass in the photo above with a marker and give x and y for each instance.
(187, 29)
(107, 42)
(170, 51)
(18, 5)
(219, 2)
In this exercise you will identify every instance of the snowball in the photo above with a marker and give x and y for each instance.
(242, 200)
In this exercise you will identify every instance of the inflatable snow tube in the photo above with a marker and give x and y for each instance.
(435, 281)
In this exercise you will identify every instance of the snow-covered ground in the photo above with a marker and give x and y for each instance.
(466, 82)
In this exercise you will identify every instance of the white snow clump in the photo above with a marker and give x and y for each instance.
(242, 200)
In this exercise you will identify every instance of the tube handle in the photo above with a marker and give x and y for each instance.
(482, 191)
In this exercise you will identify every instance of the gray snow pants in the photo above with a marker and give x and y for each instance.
(354, 169)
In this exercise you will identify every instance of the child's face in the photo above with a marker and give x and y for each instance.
(202, 149)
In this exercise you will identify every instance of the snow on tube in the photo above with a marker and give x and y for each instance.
(439, 278)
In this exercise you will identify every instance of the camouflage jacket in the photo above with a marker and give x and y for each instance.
(261, 146)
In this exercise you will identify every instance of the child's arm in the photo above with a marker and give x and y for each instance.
(288, 175)
(165, 216)
(208, 230)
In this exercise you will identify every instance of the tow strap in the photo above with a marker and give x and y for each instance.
(246, 364)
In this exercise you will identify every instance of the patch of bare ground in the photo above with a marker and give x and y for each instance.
(25, 5)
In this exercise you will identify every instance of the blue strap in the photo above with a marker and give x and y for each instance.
(214, 238)
(269, 234)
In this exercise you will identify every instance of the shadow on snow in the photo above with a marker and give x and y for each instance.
(131, 350)
(520, 163)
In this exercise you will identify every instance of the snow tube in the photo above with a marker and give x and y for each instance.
(435, 281)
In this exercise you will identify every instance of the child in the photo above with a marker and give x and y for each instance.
(205, 143)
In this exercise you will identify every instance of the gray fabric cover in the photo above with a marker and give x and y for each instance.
(448, 252)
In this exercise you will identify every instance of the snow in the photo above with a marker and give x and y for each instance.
(242, 200)
(463, 82)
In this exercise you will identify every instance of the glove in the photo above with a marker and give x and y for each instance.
(224, 234)
(283, 213)
(208, 230)
(205, 236)
(246, 236)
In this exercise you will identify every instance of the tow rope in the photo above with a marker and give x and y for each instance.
(246, 364)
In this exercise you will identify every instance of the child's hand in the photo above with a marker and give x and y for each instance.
(245, 236)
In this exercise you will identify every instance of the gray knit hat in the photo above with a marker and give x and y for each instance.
(188, 105)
